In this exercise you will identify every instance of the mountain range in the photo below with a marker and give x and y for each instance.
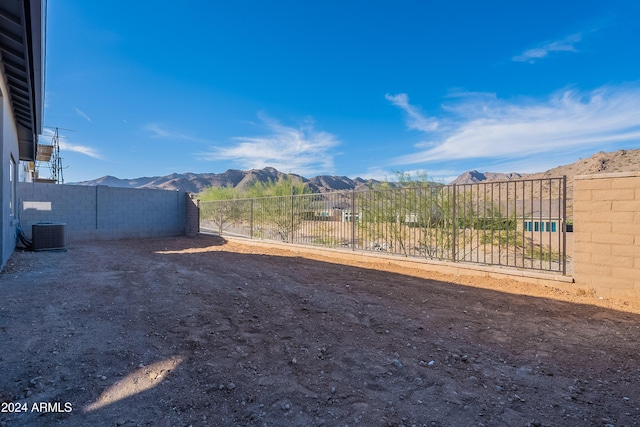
(197, 182)
(601, 162)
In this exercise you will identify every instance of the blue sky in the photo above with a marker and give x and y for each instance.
(355, 88)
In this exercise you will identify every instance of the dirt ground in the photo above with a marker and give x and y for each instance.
(201, 331)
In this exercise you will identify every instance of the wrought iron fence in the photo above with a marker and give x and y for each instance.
(509, 223)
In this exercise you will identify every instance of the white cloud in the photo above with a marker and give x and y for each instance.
(82, 149)
(415, 120)
(83, 115)
(567, 121)
(302, 149)
(160, 131)
(532, 164)
(566, 44)
(373, 172)
(68, 146)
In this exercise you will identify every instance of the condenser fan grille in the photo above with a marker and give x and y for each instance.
(46, 236)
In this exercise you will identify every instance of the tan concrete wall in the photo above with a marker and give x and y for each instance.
(607, 234)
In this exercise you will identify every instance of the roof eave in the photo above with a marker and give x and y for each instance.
(22, 51)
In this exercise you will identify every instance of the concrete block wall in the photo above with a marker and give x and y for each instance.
(102, 212)
(192, 223)
(607, 234)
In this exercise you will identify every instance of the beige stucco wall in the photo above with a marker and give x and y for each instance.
(607, 234)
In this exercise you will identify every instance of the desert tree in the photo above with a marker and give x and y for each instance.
(221, 207)
(277, 206)
(391, 213)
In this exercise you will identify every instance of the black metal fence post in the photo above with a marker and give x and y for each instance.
(564, 225)
(251, 218)
(454, 225)
(353, 220)
(292, 221)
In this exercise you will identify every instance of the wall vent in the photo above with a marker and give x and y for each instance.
(48, 236)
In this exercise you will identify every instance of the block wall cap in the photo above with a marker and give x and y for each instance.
(608, 175)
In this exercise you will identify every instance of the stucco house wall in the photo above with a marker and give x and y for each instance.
(8, 154)
(21, 91)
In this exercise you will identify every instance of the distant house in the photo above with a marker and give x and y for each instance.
(549, 225)
(348, 216)
(332, 209)
(532, 216)
(542, 216)
(21, 91)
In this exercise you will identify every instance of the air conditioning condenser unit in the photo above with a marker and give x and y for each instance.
(47, 236)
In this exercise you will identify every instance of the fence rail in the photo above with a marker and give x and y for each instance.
(508, 223)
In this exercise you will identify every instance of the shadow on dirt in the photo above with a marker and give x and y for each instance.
(279, 340)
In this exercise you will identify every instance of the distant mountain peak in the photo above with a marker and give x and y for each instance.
(600, 162)
(473, 176)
